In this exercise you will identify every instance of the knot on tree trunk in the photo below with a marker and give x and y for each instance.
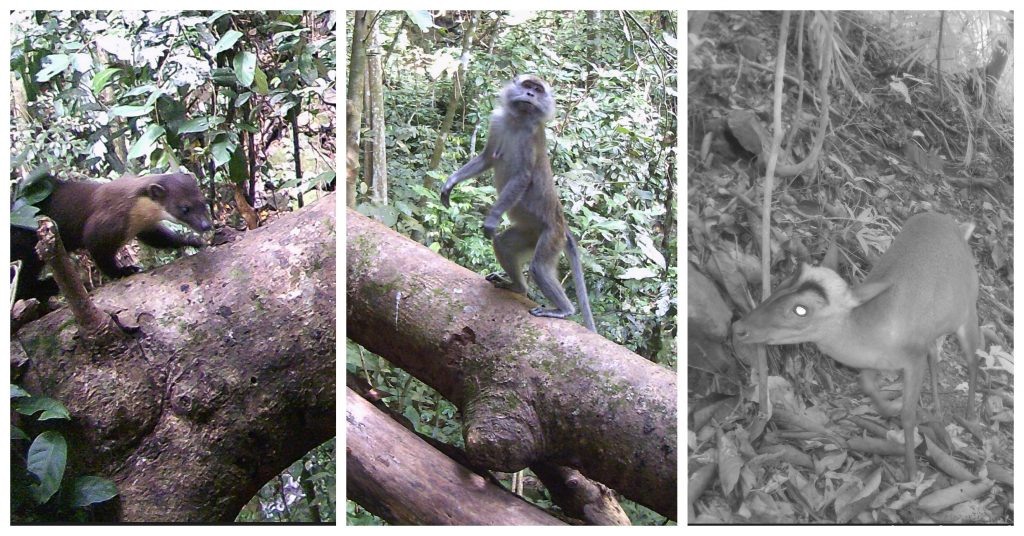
(502, 430)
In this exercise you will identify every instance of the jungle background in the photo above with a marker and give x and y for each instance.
(245, 101)
(899, 113)
(422, 86)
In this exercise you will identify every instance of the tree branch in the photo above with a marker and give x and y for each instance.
(531, 389)
(395, 474)
(230, 379)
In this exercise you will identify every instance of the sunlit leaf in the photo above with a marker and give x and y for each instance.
(130, 111)
(103, 78)
(226, 42)
(54, 64)
(147, 142)
(245, 68)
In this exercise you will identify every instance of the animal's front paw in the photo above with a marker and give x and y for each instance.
(196, 242)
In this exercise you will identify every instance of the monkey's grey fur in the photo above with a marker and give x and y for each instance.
(517, 150)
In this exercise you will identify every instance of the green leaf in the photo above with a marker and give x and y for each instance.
(34, 191)
(198, 124)
(130, 111)
(154, 95)
(55, 64)
(226, 42)
(262, 88)
(237, 169)
(91, 490)
(221, 151)
(222, 147)
(141, 90)
(18, 392)
(242, 99)
(223, 76)
(147, 142)
(81, 62)
(38, 174)
(216, 15)
(103, 78)
(290, 183)
(421, 18)
(245, 68)
(47, 458)
(17, 433)
(52, 409)
(24, 216)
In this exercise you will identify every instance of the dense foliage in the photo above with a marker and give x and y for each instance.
(105, 93)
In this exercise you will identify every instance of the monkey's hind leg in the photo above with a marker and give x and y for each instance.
(544, 270)
(512, 248)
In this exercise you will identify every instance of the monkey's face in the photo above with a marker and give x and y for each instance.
(529, 95)
(181, 198)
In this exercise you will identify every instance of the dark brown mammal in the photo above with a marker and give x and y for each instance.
(102, 217)
(517, 150)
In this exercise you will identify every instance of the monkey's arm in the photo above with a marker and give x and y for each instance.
(479, 164)
(160, 236)
(507, 198)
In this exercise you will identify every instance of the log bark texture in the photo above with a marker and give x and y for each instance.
(405, 481)
(230, 378)
(530, 389)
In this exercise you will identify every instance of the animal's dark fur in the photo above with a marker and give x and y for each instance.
(102, 217)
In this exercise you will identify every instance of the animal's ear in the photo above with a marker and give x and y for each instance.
(156, 191)
(793, 278)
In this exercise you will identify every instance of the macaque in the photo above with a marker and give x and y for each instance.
(517, 150)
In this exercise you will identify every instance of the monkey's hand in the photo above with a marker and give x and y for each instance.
(446, 192)
(490, 225)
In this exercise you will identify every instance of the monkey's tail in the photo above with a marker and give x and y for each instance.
(577, 278)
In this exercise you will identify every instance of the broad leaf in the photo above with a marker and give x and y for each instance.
(147, 142)
(47, 458)
(226, 42)
(55, 64)
(91, 490)
(245, 68)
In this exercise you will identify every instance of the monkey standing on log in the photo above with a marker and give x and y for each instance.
(517, 150)
(102, 217)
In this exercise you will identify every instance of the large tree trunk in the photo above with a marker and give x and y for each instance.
(531, 389)
(230, 378)
(399, 477)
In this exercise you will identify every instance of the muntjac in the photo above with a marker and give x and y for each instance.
(923, 288)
